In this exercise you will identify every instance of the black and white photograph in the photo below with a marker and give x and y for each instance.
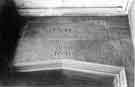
(67, 43)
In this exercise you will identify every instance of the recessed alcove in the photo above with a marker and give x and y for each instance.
(81, 50)
(98, 50)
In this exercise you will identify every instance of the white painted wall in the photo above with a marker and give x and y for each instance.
(132, 26)
(70, 3)
(62, 7)
(132, 21)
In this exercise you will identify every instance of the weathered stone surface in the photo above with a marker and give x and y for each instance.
(105, 40)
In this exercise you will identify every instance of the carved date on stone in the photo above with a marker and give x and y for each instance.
(61, 49)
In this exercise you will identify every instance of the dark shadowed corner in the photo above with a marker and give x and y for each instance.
(10, 23)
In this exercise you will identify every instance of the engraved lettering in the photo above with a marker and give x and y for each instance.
(61, 50)
(59, 29)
